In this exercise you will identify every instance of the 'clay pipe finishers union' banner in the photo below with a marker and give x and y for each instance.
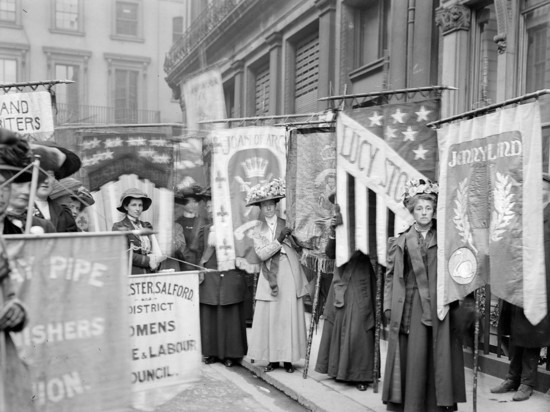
(490, 209)
(165, 335)
(76, 342)
(242, 158)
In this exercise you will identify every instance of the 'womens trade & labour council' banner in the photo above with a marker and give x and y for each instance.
(242, 158)
(490, 209)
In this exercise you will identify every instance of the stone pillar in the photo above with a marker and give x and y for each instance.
(238, 70)
(327, 48)
(274, 42)
(454, 22)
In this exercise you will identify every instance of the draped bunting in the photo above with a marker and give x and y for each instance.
(490, 209)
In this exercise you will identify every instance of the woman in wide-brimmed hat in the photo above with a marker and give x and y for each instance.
(146, 254)
(188, 248)
(73, 194)
(278, 327)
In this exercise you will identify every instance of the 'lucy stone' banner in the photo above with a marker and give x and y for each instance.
(76, 343)
(242, 158)
(165, 335)
(490, 209)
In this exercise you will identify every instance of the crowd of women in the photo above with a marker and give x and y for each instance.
(424, 368)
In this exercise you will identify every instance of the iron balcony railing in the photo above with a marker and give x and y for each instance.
(217, 14)
(70, 114)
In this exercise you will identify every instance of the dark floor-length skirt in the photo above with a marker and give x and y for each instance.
(416, 359)
(223, 330)
(346, 351)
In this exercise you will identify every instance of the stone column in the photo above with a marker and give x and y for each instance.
(238, 70)
(327, 48)
(274, 42)
(454, 22)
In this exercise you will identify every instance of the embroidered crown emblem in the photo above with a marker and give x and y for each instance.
(255, 167)
(328, 152)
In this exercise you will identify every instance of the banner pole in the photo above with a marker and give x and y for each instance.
(32, 195)
(476, 351)
(378, 325)
(312, 321)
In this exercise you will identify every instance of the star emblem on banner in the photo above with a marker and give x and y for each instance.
(115, 142)
(420, 153)
(422, 114)
(376, 119)
(409, 134)
(398, 116)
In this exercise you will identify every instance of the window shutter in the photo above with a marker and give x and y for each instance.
(262, 91)
(307, 75)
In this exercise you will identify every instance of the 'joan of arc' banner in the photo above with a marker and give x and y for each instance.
(77, 342)
(311, 178)
(242, 158)
(27, 113)
(490, 209)
(107, 156)
(165, 335)
(371, 163)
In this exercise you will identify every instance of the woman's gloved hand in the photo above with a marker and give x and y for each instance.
(284, 233)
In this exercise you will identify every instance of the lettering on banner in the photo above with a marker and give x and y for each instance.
(16, 116)
(57, 388)
(228, 144)
(63, 331)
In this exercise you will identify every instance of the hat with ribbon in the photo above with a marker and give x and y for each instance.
(274, 190)
(73, 188)
(196, 192)
(134, 193)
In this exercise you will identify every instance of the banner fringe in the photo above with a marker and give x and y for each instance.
(243, 264)
(316, 262)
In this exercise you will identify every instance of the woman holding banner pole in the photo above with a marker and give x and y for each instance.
(424, 363)
(279, 326)
(146, 254)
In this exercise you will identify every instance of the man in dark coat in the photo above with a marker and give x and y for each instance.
(526, 339)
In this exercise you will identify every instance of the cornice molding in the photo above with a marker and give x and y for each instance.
(453, 18)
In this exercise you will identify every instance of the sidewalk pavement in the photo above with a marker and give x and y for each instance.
(321, 393)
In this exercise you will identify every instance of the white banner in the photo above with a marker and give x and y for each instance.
(204, 98)
(165, 335)
(27, 113)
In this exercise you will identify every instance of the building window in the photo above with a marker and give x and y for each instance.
(177, 28)
(68, 94)
(372, 36)
(8, 12)
(67, 15)
(261, 93)
(229, 95)
(307, 74)
(126, 96)
(127, 18)
(8, 70)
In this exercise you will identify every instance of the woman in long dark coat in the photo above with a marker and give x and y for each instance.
(424, 364)
(346, 351)
(222, 314)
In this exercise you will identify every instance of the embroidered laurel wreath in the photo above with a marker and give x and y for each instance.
(503, 206)
(460, 219)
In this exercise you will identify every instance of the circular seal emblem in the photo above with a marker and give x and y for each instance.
(463, 265)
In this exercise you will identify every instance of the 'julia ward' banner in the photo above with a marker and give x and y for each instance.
(311, 178)
(490, 209)
(242, 158)
(165, 335)
(76, 342)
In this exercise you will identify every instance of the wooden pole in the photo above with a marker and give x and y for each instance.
(32, 194)
(476, 350)
(312, 321)
(378, 325)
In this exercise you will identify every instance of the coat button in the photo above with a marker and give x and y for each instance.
(221, 275)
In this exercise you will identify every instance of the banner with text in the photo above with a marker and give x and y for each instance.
(490, 209)
(27, 114)
(370, 163)
(165, 335)
(76, 342)
(204, 98)
(242, 158)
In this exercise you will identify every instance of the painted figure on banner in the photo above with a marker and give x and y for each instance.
(188, 248)
(146, 253)
(45, 208)
(249, 168)
(15, 154)
(424, 364)
(222, 303)
(278, 327)
(526, 339)
(346, 351)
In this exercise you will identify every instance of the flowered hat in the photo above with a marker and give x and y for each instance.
(135, 194)
(274, 190)
(417, 187)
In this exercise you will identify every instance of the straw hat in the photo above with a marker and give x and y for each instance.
(135, 194)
